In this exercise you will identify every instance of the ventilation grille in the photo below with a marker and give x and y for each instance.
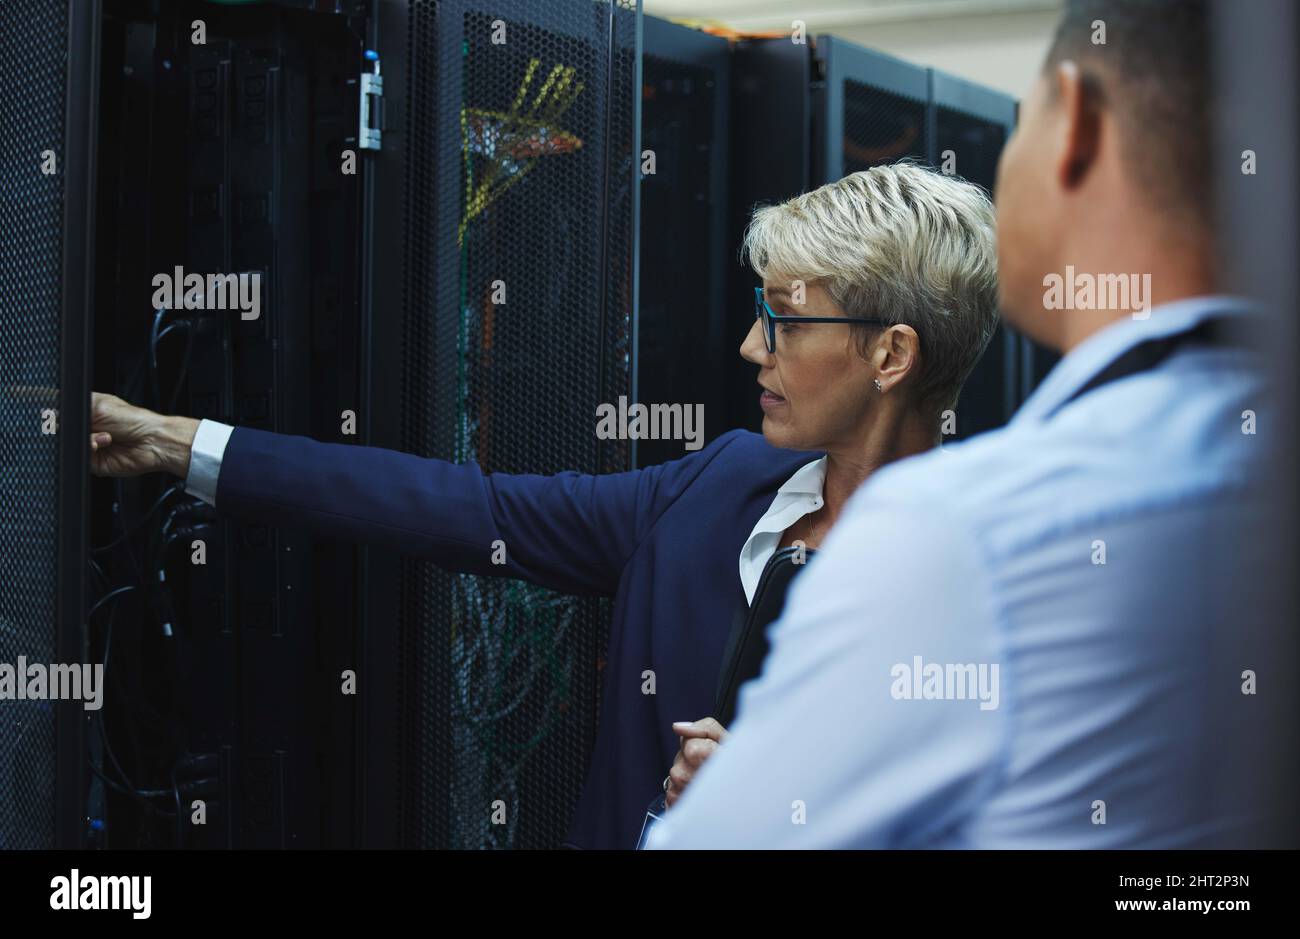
(973, 143)
(518, 280)
(881, 127)
(33, 56)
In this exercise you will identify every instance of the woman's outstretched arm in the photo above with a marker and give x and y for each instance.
(570, 532)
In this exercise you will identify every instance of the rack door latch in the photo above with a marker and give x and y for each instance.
(370, 131)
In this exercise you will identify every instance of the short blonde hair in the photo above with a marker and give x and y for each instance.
(902, 243)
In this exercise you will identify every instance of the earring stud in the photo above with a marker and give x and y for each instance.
(876, 382)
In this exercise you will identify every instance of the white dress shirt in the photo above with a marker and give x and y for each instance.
(1105, 555)
(205, 460)
(797, 497)
(800, 495)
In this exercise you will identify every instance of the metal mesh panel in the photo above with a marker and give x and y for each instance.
(677, 256)
(33, 44)
(974, 143)
(518, 279)
(880, 127)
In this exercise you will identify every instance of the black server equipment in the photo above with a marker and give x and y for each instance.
(455, 228)
(48, 55)
(971, 125)
(228, 288)
(681, 347)
(500, 266)
(869, 109)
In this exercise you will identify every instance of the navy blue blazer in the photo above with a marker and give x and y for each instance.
(664, 542)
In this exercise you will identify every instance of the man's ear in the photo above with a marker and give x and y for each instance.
(897, 355)
(1078, 118)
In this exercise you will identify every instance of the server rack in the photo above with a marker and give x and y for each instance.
(500, 263)
(872, 109)
(684, 248)
(47, 189)
(971, 125)
(221, 153)
(225, 156)
(774, 151)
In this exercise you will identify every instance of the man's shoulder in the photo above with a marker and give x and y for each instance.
(957, 477)
(1132, 452)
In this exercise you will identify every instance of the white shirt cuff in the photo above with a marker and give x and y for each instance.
(205, 460)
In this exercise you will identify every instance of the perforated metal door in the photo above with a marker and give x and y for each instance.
(517, 317)
(42, 43)
(881, 127)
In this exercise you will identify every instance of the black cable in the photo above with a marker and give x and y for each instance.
(140, 795)
(180, 815)
(156, 336)
(196, 508)
(127, 787)
(185, 367)
(153, 356)
(119, 491)
(139, 523)
(174, 326)
(115, 786)
(105, 598)
(146, 585)
(122, 790)
(185, 531)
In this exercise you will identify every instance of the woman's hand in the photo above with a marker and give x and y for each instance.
(699, 740)
(129, 441)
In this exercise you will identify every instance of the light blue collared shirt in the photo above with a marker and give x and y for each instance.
(1037, 638)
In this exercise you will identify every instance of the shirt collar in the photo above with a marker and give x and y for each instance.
(807, 480)
(1106, 345)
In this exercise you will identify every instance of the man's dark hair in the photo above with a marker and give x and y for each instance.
(1153, 74)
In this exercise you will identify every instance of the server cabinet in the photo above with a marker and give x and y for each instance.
(49, 56)
(500, 267)
(681, 348)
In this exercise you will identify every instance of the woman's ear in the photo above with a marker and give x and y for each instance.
(897, 355)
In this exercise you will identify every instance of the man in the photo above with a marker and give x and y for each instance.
(1049, 636)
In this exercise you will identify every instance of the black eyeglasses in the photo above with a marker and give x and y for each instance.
(764, 312)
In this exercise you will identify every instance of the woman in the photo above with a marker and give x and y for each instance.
(898, 244)
(880, 296)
